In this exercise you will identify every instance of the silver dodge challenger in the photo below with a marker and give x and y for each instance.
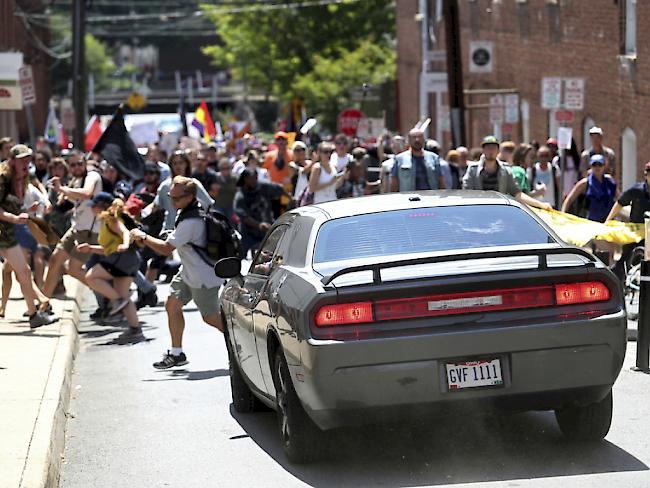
(405, 305)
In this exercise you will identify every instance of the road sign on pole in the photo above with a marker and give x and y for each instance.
(574, 93)
(497, 109)
(551, 93)
(348, 121)
(26, 78)
(512, 108)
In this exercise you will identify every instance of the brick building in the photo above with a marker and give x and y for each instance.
(597, 40)
(20, 35)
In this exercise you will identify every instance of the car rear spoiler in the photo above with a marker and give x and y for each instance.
(541, 253)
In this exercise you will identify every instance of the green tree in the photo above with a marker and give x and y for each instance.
(275, 51)
(99, 62)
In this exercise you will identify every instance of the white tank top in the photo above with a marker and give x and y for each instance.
(326, 194)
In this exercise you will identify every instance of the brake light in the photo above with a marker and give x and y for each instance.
(344, 314)
(587, 292)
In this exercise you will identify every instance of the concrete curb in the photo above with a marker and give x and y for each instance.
(43, 463)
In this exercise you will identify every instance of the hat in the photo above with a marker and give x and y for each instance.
(151, 167)
(551, 141)
(596, 130)
(102, 198)
(299, 145)
(597, 159)
(281, 135)
(245, 174)
(20, 151)
(489, 140)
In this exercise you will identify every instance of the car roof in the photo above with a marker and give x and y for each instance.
(404, 201)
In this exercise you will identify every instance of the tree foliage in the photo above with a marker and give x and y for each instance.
(317, 52)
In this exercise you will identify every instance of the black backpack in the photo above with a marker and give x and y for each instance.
(222, 240)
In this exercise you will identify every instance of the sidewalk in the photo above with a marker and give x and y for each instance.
(35, 368)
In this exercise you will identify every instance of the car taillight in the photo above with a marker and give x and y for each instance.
(344, 314)
(572, 293)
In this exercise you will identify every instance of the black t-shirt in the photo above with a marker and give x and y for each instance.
(206, 179)
(637, 196)
(490, 181)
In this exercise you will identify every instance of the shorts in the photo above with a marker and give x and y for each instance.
(72, 237)
(25, 238)
(206, 299)
(121, 264)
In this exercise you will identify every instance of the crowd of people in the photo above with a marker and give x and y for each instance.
(65, 212)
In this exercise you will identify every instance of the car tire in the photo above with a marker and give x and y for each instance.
(301, 438)
(588, 423)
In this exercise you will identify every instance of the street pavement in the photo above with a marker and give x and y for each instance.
(130, 425)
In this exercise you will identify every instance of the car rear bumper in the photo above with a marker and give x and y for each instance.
(543, 367)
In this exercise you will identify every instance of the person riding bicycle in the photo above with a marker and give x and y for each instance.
(638, 195)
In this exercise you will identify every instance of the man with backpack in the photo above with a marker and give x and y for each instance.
(197, 250)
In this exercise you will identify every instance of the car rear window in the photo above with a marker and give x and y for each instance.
(426, 230)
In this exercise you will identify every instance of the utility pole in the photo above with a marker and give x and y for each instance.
(455, 72)
(79, 71)
(423, 15)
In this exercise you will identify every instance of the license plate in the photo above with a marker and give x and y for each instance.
(473, 374)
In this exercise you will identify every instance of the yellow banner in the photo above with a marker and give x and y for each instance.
(579, 231)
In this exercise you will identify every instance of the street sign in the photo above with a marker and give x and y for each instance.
(436, 82)
(565, 116)
(564, 135)
(67, 114)
(497, 111)
(443, 118)
(136, 101)
(370, 127)
(10, 98)
(437, 56)
(348, 121)
(551, 93)
(480, 57)
(574, 93)
(512, 108)
(26, 78)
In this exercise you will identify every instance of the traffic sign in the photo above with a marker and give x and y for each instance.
(551, 93)
(497, 112)
(565, 116)
(26, 79)
(512, 108)
(136, 101)
(348, 121)
(574, 93)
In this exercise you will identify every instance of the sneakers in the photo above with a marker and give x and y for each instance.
(118, 306)
(132, 334)
(170, 361)
(100, 313)
(147, 299)
(39, 319)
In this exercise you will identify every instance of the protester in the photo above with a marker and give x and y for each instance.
(545, 177)
(196, 279)
(463, 158)
(301, 168)
(85, 226)
(522, 159)
(277, 161)
(599, 189)
(112, 274)
(433, 146)
(397, 146)
(597, 147)
(491, 174)
(114, 182)
(205, 175)
(42, 160)
(340, 157)
(453, 158)
(551, 142)
(324, 180)
(225, 188)
(354, 184)
(253, 206)
(506, 150)
(416, 169)
(13, 185)
(252, 161)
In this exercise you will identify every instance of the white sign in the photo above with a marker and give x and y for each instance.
(67, 114)
(564, 135)
(443, 118)
(497, 114)
(144, 134)
(512, 108)
(436, 82)
(370, 127)
(480, 57)
(27, 85)
(574, 93)
(551, 93)
(10, 96)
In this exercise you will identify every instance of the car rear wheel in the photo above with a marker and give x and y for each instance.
(301, 438)
(588, 423)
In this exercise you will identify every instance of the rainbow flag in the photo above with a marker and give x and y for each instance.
(203, 122)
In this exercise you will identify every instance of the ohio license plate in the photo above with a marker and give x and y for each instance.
(473, 374)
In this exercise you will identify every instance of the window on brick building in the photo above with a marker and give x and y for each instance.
(587, 124)
(628, 158)
(474, 16)
(523, 21)
(630, 27)
(554, 21)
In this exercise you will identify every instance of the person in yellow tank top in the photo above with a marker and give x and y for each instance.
(118, 263)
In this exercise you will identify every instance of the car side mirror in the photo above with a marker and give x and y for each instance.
(228, 267)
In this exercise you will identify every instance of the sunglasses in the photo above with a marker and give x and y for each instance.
(74, 165)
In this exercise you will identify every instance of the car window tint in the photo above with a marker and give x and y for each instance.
(263, 262)
(426, 230)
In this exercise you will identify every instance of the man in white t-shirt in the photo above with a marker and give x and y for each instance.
(85, 226)
(341, 157)
(545, 176)
(196, 279)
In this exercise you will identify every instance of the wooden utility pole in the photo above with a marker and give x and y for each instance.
(455, 72)
(79, 71)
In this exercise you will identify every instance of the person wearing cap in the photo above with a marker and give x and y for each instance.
(551, 142)
(638, 196)
(276, 162)
(597, 147)
(341, 156)
(491, 174)
(14, 181)
(416, 169)
(254, 206)
(151, 180)
(301, 168)
(544, 177)
(196, 279)
(112, 274)
(599, 190)
(83, 186)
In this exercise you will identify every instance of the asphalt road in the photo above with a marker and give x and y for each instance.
(131, 425)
